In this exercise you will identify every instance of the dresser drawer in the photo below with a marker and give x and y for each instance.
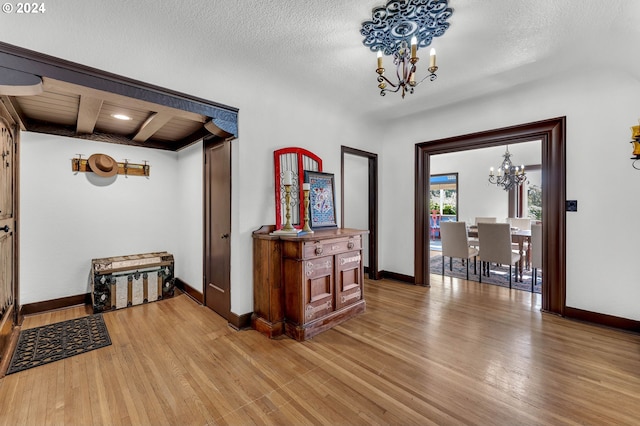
(314, 249)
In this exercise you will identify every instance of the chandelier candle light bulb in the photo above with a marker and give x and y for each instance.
(432, 58)
(379, 59)
(414, 47)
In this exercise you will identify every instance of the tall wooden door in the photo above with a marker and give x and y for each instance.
(217, 228)
(8, 254)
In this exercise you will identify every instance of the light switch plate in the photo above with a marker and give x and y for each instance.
(571, 205)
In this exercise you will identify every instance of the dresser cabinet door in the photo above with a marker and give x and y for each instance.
(318, 288)
(348, 278)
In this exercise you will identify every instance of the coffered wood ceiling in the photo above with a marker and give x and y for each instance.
(70, 110)
(49, 95)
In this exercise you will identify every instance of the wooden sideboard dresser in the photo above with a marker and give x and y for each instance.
(307, 284)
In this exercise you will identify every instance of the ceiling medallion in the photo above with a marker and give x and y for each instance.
(397, 24)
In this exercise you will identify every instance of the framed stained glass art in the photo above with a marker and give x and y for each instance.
(322, 209)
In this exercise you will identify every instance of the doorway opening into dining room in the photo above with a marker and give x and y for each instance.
(485, 199)
(551, 134)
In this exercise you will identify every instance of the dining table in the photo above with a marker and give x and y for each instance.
(519, 237)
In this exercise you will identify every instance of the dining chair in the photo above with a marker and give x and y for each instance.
(536, 252)
(495, 246)
(455, 243)
(523, 223)
(486, 220)
(474, 241)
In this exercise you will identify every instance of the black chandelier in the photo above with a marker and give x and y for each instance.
(508, 176)
(399, 29)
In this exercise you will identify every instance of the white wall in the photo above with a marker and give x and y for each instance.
(189, 206)
(272, 115)
(276, 119)
(476, 196)
(600, 109)
(69, 218)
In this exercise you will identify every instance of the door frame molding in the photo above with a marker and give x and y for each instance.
(374, 272)
(552, 134)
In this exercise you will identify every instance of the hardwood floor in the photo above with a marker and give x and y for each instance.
(456, 353)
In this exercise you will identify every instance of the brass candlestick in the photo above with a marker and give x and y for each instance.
(306, 227)
(287, 199)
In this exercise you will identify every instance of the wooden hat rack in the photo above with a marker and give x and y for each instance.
(126, 168)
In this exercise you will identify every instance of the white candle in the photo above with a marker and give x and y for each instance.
(288, 178)
(379, 58)
(414, 46)
(432, 58)
(306, 187)
(491, 171)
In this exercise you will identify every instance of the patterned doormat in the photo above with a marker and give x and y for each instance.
(49, 343)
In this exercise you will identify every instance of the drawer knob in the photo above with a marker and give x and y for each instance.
(350, 245)
(319, 250)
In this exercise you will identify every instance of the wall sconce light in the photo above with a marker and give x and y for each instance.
(635, 135)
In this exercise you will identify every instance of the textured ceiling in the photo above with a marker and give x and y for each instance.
(314, 46)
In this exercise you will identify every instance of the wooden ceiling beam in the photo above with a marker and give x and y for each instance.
(88, 112)
(151, 125)
(57, 86)
(53, 129)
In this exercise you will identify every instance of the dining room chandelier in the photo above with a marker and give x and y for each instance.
(399, 29)
(508, 175)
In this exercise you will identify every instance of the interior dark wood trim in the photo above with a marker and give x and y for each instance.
(603, 319)
(37, 63)
(397, 277)
(50, 305)
(240, 322)
(373, 204)
(208, 143)
(190, 291)
(552, 134)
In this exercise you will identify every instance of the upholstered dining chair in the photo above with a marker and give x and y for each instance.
(536, 252)
(495, 246)
(474, 241)
(522, 223)
(455, 243)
